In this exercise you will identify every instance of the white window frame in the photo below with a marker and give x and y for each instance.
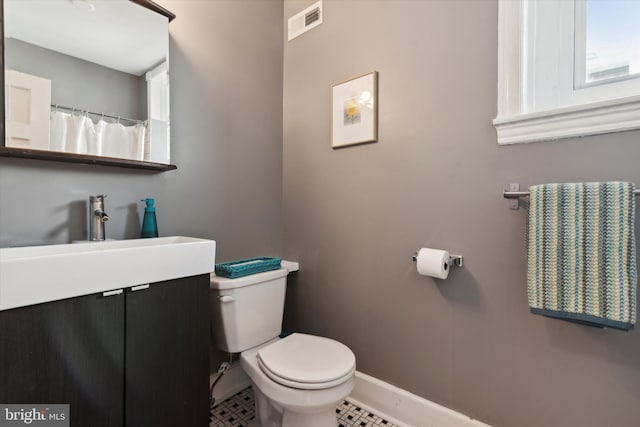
(157, 146)
(537, 100)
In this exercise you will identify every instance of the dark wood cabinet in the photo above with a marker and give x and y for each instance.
(135, 359)
(68, 351)
(167, 357)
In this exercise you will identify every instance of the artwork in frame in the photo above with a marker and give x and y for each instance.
(354, 115)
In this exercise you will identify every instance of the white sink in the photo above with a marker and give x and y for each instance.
(36, 274)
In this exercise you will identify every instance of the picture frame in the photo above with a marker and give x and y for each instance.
(354, 111)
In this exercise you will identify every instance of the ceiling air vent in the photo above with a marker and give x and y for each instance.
(302, 22)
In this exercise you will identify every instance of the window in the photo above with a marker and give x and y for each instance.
(158, 128)
(567, 68)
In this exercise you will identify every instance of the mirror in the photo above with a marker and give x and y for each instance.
(87, 78)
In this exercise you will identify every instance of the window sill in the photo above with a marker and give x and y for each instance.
(590, 119)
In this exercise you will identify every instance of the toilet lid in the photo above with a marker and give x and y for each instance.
(307, 361)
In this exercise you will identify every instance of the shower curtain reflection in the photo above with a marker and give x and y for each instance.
(77, 133)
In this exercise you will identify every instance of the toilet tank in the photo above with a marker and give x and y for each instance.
(247, 311)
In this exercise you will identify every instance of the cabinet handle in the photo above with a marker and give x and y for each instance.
(139, 287)
(112, 293)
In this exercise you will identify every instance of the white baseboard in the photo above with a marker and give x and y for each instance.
(233, 381)
(402, 408)
(394, 404)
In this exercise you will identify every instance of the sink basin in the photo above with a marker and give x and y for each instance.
(37, 274)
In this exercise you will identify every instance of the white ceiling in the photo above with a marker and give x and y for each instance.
(118, 34)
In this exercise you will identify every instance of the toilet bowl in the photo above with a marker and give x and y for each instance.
(298, 380)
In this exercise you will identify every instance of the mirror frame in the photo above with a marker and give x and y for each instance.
(55, 156)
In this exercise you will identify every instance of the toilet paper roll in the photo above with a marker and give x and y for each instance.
(433, 262)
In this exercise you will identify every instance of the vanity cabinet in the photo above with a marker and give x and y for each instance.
(68, 351)
(137, 358)
(167, 354)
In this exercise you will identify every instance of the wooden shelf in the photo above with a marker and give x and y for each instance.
(83, 159)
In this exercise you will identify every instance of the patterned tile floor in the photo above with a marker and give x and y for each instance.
(238, 411)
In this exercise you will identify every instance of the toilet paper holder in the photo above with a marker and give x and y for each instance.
(453, 259)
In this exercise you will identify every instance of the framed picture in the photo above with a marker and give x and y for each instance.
(354, 115)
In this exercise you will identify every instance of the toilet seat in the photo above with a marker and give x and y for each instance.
(307, 362)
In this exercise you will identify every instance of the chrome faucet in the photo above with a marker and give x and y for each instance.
(97, 217)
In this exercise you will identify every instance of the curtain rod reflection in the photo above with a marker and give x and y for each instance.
(118, 118)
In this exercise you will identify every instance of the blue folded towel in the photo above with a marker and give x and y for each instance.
(245, 267)
(581, 253)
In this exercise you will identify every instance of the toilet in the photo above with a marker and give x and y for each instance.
(297, 380)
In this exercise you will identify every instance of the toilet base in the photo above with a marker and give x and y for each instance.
(280, 406)
(268, 414)
(321, 419)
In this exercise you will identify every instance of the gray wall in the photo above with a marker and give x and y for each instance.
(354, 216)
(226, 92)
(80, 84)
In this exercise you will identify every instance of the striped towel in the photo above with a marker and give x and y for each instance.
(581, 256)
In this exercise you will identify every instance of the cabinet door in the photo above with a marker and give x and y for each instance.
(167, 354)
(68, 352)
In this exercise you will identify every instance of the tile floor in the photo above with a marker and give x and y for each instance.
(238, 410)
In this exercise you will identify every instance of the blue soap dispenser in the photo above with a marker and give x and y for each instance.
(149, 224)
